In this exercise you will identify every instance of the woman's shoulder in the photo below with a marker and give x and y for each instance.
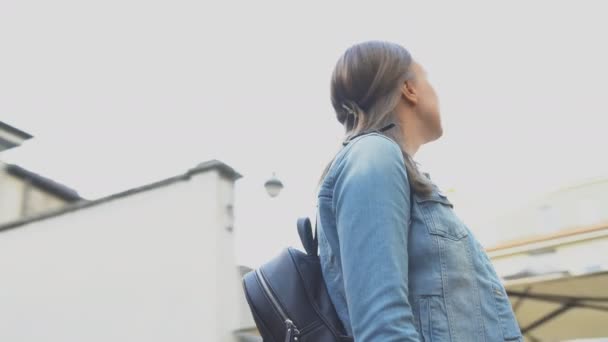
(371, 147)
(372, 150)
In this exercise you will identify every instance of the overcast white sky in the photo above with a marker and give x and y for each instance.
(122, 93)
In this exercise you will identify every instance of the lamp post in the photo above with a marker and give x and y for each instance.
(273, 186)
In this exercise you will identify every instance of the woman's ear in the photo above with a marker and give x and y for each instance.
(409, 93)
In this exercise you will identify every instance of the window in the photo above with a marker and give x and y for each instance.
(5, 144)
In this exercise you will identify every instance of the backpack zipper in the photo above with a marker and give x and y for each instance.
(292, 331)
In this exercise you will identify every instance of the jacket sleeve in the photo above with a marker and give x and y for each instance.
(371, 203)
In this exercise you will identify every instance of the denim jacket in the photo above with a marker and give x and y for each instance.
(398, 269)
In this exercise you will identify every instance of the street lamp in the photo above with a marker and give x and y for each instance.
(273, 186)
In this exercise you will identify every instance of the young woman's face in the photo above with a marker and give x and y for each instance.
(428, 104)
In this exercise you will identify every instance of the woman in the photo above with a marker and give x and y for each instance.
(399, 265)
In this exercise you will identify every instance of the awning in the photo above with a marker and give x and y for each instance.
(560, 306)
(558, 283)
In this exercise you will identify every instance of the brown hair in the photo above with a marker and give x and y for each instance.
(365, 90)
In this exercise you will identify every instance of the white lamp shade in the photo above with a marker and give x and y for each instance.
(273, 186)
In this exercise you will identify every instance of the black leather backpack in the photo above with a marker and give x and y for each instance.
(288, 298)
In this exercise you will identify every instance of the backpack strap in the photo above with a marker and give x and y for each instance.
(309, 241)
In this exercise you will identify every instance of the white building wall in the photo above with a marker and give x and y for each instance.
(245, 317)
(153, 266)
(578, 206)
(578, 257)
(227, 276)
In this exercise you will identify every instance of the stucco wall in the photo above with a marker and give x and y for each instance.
(157, 265)
(577, 206)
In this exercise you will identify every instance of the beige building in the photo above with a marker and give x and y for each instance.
(557, 273)
(579, 205)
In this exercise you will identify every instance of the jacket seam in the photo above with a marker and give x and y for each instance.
(346, 150)
(480, 326)
(445, 282)
(342, 154)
